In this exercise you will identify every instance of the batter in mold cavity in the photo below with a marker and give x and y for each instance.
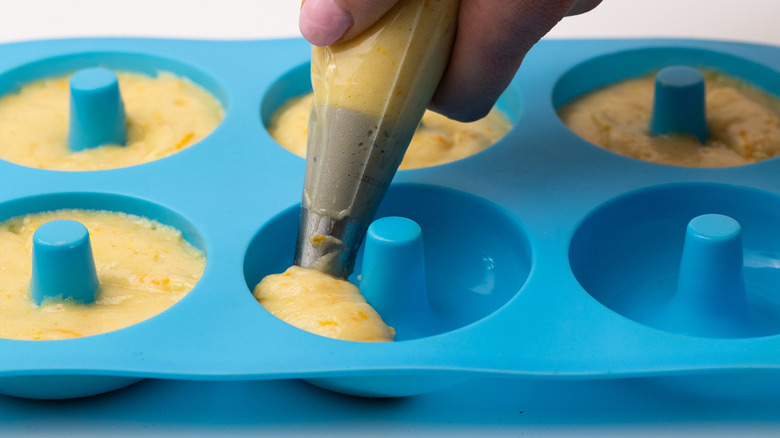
(369, 97)
(321, 304)
(165, 114)
(437, 140)
(743, 123)
(143, 268)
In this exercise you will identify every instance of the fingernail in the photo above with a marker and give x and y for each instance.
(323, 22)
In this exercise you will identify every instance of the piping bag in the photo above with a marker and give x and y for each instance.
(370, 94)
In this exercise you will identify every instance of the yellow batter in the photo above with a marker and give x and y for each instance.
(165, 114)
(437, 140)
(143, 267)
(743, 122)
(375, 73)
(321, 304)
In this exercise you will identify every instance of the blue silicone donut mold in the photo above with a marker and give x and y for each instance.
(545, 257)
(627, 255)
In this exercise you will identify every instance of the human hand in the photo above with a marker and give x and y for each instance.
(492, 38)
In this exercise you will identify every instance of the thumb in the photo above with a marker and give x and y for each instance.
(324, 22)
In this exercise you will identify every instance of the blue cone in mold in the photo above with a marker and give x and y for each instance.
(62, 263)
(97, 113)
(678, 106)
(392, 277)
(710, 298)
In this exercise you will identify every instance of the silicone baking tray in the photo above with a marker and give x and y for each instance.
(545, 256)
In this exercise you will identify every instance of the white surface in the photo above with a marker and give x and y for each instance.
(238, 409)
(742, 20)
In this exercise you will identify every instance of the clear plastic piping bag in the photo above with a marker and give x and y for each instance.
(370, 94)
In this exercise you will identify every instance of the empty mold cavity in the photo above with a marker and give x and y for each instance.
(438, 141)
(82, 121)
(665, 121)
(435, 259)
(695, 259)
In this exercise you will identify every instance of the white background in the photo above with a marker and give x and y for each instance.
(742, 20)
(477, 408)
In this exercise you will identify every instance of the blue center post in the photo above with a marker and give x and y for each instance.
(679, 103)
(97, 112)
(63, 267)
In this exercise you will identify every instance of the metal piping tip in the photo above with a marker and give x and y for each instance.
(328, 244)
